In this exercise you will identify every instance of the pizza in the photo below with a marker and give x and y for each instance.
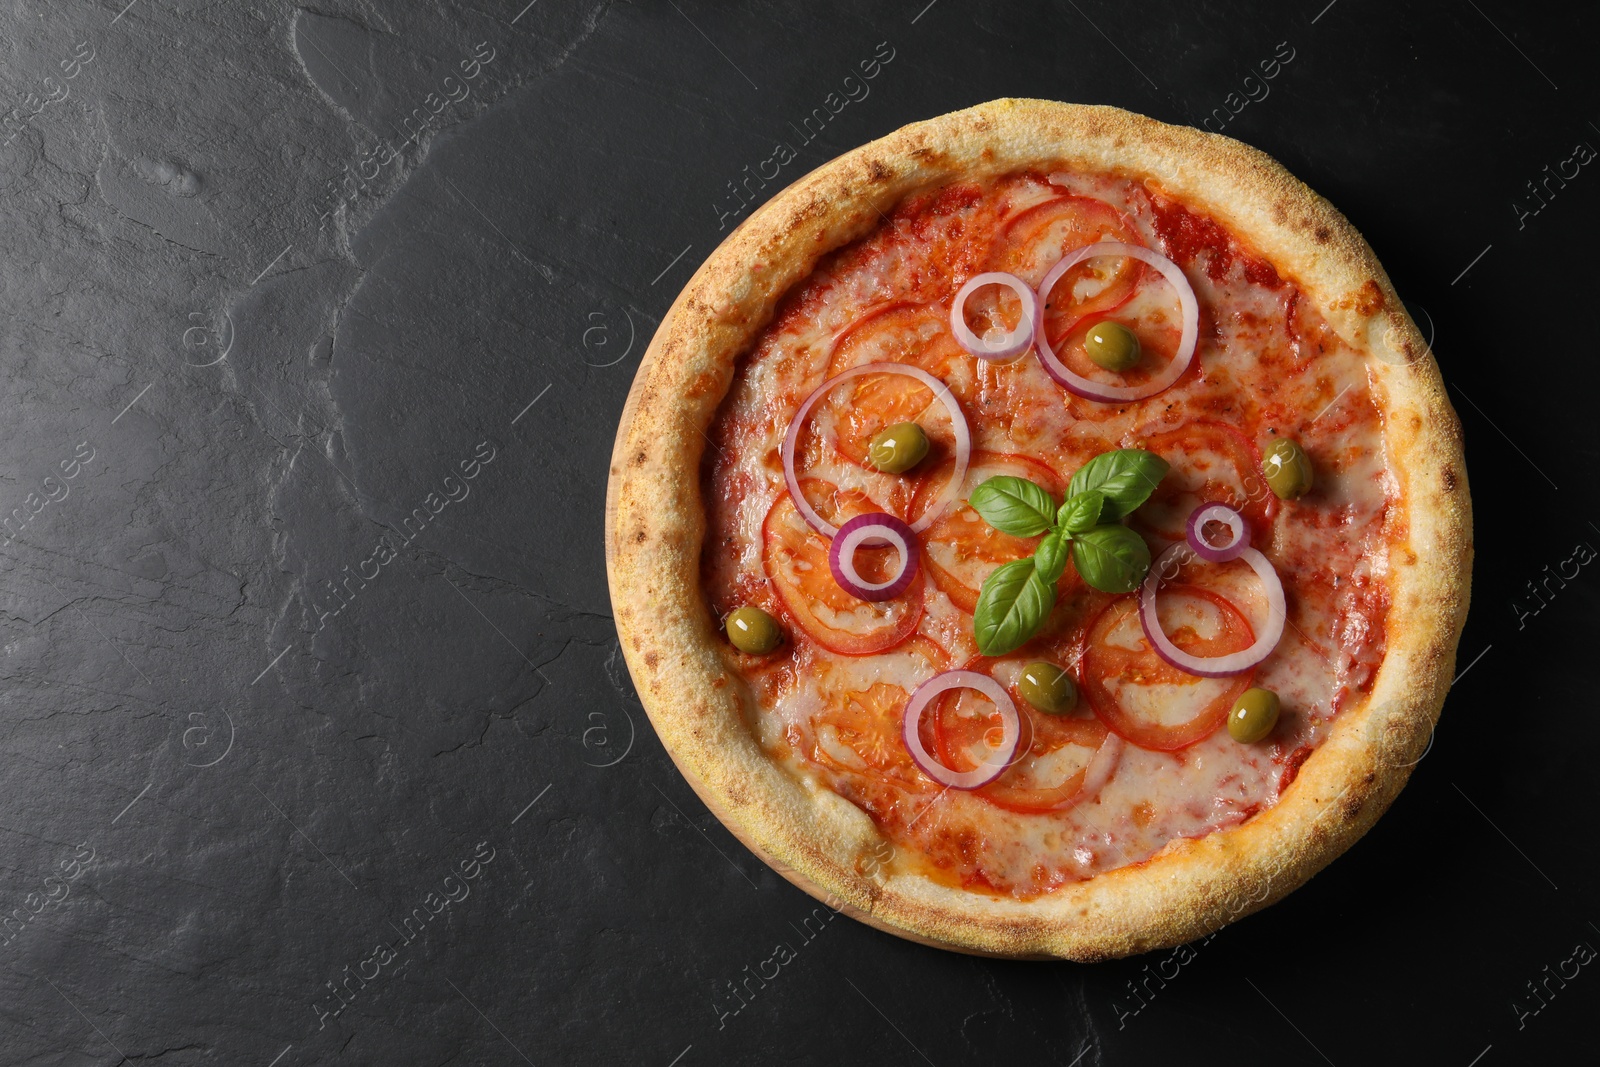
(1042, 532)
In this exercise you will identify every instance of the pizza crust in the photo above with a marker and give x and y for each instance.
(655, 523)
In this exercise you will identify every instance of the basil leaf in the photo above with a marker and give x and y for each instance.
(1014, 505)
(1113, 559)
(1127, 477)
(1013, 605)
(1081, 512)
(1050, 558)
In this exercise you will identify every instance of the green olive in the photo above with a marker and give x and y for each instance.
(753, 630)
(1254, 715)
(1048, 688)
(899, 448)
(1112, 345)
(1287, 468)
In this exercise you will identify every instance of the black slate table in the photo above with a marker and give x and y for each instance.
(316, 742)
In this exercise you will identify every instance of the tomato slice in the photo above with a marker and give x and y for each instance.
(796, 560)
(912, 333)
(1142, 698)
(844, 422)
(898, 331)
(1051, 773)
(1036, 239)
(965, 725)
(1158, 334)
(1210, 461)
(860, 730)
(1053, 755)
(862, 733)
(960, 549)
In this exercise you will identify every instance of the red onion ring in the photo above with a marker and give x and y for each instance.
(1115, 393)
(1213, 666)
(876, 529)
(1229, 517)
(1012, 344)
(958, 423)
(998, 760)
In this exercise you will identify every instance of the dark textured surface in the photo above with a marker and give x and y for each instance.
(227, 378)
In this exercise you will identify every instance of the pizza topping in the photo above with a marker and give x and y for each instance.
(1211, 666)
(1144, 759)
(1287, 469)
(963, 437)
(905, 331)
(1254, 715)
(997, 343)
(899, 448)
(873, 530)
(995, 751)
(1112, 345)
(1015, 505)
(1125, 478)
(1048, 688)
(1109, 393)
(1017, 597)
(1067, 762)
(856, 732)
(1144, 698)
(796, 561)
(1205, 544)
(961, 549)
(1112, 558)
(1036, 239)
(1060, 761)
(752, 630)
(1211, 461)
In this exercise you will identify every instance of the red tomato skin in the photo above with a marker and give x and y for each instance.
(1159, 738)
(795, 606)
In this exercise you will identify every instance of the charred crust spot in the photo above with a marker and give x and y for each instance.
(925, 154)
(640, 459)
(1449, 475)
(877, 172)
(640, 537)
(1280, 214)
(1369, 298)
(1322, 235)
(651, 659)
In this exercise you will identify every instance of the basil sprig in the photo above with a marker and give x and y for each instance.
(1017, 597)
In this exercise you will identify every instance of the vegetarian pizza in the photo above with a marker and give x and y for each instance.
(1042, 532)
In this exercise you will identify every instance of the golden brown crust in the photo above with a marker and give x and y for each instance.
(655, 523)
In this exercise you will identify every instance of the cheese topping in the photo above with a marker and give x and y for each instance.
(829, 704)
